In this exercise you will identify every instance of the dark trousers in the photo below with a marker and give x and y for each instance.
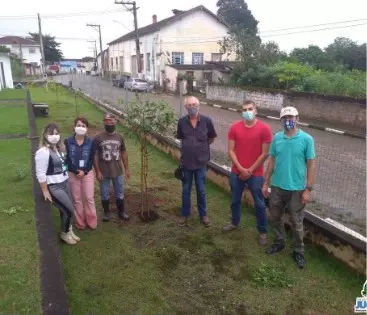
(200, 176)
(280, 200)
(254, 184)
(61, 198)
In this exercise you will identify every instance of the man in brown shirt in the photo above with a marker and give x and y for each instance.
(110, 152)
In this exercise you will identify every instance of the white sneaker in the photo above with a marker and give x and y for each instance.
(66, 237)
(73, 235)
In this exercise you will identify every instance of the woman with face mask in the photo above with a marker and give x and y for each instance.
(51, 172)
(79, 158)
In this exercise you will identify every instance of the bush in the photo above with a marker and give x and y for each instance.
(303, 78)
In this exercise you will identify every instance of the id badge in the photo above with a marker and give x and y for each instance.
(81, 163)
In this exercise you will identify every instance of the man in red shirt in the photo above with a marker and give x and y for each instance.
(248, 146)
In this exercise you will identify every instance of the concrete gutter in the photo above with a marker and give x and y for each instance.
(349, 247)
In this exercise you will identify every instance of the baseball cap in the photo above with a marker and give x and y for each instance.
(288, 111)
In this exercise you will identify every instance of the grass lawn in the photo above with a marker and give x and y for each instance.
(13, 117)
(19, 276)
(159, 268)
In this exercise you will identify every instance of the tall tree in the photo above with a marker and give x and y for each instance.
(270, 53)
(50, 46)
(4, 49)
(87, 59)
(314, 56)
(236, 13)
(348, 52)
(243, 45)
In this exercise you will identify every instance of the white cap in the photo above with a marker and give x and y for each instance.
(288, 111)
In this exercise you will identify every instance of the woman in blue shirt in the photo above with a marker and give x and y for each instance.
(79, 158)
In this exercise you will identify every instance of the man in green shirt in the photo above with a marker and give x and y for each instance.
(291, 172)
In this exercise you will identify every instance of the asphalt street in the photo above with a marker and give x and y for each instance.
(340, 188)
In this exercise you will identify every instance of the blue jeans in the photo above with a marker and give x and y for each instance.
(118, 186)
(254, 184)
(200, 175)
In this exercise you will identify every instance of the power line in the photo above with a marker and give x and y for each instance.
(316, 30)
(211, 39)
(64, 15)
(314, 25)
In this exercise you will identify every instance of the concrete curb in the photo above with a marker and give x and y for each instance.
(312, 126)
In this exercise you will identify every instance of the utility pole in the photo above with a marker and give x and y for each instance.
(95, 52)
(137, 42)
(41, 44)
(97, 27)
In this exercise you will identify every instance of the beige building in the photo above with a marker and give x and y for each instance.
(187, 37)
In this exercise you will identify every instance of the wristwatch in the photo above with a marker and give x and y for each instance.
(309, 188)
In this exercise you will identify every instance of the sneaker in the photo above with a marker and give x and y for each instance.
(66, 237)
(182, 221)
(230, 227)
(263, 239)
(299, 259)
(71, 232)
(205, 220)
(274, 248)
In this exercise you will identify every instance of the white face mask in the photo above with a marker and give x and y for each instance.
(81, 131)
(53, 139)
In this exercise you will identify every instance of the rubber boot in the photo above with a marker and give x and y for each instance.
(120, 205)
(106, 210)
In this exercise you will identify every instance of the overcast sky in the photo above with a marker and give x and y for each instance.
(67, 21)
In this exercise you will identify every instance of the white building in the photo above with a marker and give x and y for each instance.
(6, 79)
(187, 37)
(27, 50)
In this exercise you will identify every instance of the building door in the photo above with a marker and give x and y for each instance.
(2, 73)
(122, 64)
(134, 66)
(190, 81)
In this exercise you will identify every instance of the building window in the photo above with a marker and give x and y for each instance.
(148, 61)
(178, 58)
(117, 62)
(32, 50)
(111, 62)
(217, 57)
(197, 58)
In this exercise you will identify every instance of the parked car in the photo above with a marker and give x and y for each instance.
(119, 80)
(135, 84)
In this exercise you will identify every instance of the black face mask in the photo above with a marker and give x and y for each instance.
(110, 128)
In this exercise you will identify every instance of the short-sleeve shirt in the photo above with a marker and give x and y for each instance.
(195, 148)
(248, 144)
(109, 148)
(291, 155)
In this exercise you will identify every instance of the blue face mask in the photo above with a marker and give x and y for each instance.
(192, 111)
(288, 124)
(249, 115)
